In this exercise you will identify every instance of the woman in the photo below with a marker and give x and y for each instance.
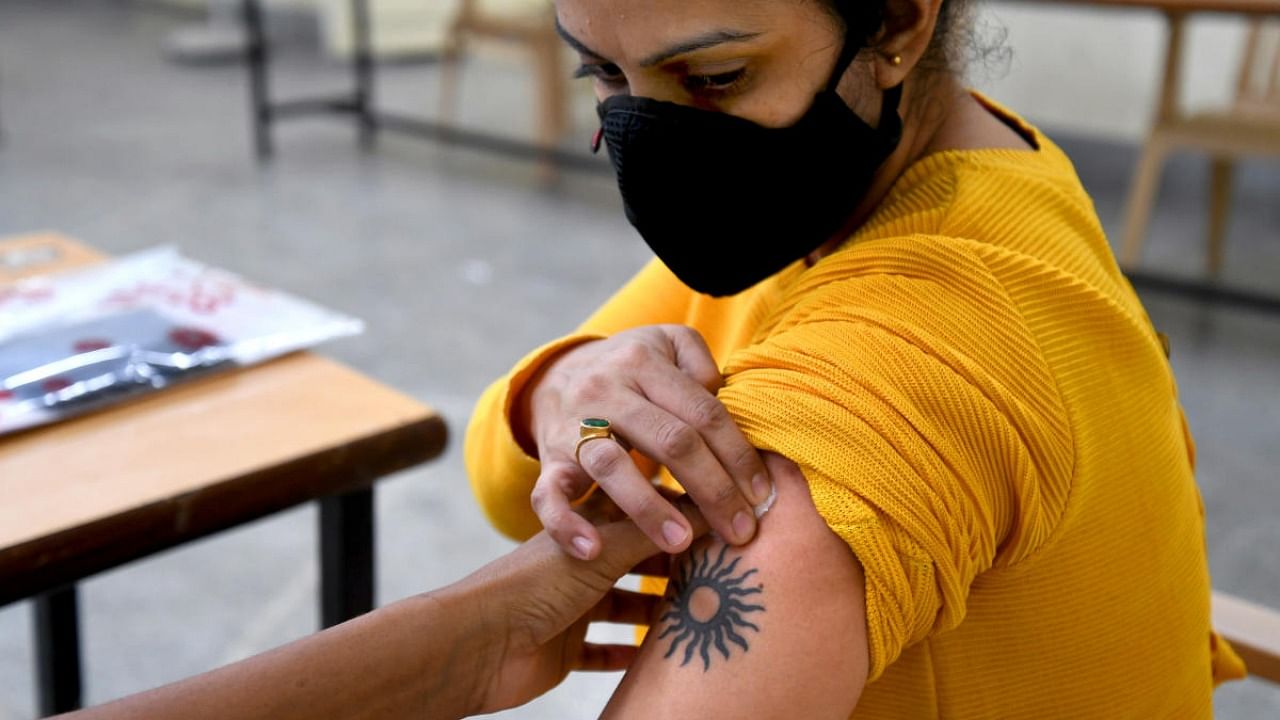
(898, 290)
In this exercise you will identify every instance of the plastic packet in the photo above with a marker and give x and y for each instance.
(77, 341)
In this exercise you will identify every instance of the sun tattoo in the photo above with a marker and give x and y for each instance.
(708, 605)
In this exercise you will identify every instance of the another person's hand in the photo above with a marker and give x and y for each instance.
(494, 640)
(533, 606)
(655, 385)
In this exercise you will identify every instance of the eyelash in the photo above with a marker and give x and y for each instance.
(718, 84)
(608, 73)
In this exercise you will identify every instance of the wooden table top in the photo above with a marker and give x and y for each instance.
(1236, 7)
(90, 493)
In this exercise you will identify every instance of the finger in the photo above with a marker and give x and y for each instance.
(557, 485)
(606, 658)
(598, 507)
(738, 457)
(691, 354)
(679, 446)
(625, 607)
(610, 466)
(705, 413)
(625, 545)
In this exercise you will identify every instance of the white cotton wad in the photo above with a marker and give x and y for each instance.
(767, 503)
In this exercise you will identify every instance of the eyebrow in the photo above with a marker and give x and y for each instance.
(574, 42)
(701, 42)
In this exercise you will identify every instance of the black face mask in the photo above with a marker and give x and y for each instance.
(725, 202)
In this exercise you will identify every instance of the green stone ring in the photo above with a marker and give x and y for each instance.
(592, 428)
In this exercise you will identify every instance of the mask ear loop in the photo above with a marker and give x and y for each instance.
(848, 52)
(892, 96)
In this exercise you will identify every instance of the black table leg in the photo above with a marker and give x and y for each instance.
(363, 67)
(259, 100)
(57, 626)
(346, 556)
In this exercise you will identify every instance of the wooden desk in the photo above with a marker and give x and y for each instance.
(101, 490)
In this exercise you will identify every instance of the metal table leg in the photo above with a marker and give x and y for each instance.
(346, 556)
(259, 99)
(363, 70)
(57, 630)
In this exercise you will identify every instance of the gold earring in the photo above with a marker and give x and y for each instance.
(897, 60)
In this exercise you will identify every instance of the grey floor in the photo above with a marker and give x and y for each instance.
(460, 262)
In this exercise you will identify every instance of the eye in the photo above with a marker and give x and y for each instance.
(718, 83)
(607, 73)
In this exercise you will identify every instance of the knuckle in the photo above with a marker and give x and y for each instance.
(676, 439)
(538, 500)
(725, 494)
(600, 458)
(691, 336)
(746, 459)
(542, 499)
(591, 388)
(706, 412)
(632, 355)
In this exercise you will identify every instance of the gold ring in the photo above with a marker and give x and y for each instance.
(592, 428)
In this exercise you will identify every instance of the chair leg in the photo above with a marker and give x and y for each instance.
(552, 98)
(1142, 193)
(1221, 176)
(450, 61)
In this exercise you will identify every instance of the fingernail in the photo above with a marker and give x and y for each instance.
(743, 526)
(674, 532)
(760, 486)
(583, 546)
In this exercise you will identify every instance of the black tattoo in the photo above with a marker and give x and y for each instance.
(707, 605)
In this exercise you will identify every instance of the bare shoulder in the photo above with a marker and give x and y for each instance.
(776, 628)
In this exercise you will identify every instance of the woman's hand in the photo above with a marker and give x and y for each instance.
(534, 605)
(655, 385)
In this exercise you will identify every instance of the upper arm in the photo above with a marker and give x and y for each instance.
(773, 629)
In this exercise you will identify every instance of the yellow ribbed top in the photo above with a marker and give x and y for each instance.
(985, 414)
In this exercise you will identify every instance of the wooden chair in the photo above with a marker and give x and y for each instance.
(1249, 127)
(535, 30)
(1254, 632)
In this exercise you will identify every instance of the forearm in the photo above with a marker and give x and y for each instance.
(414, 659)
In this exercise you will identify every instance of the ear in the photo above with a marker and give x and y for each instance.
(906, 34)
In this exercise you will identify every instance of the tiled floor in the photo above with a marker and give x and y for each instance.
(461, 262)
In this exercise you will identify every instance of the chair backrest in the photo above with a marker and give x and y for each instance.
(502, 8)
(1258, 83)
(1253, 631)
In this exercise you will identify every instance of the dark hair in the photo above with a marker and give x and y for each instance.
(957, 41)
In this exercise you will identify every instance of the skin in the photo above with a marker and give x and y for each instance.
(802, 635)
(763, 60)
(495, 640)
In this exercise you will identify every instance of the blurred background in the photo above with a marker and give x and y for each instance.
(127, 124)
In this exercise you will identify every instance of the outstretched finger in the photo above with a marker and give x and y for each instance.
(625, 607)
(657, 566)
(606, 658)
(609, 465)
